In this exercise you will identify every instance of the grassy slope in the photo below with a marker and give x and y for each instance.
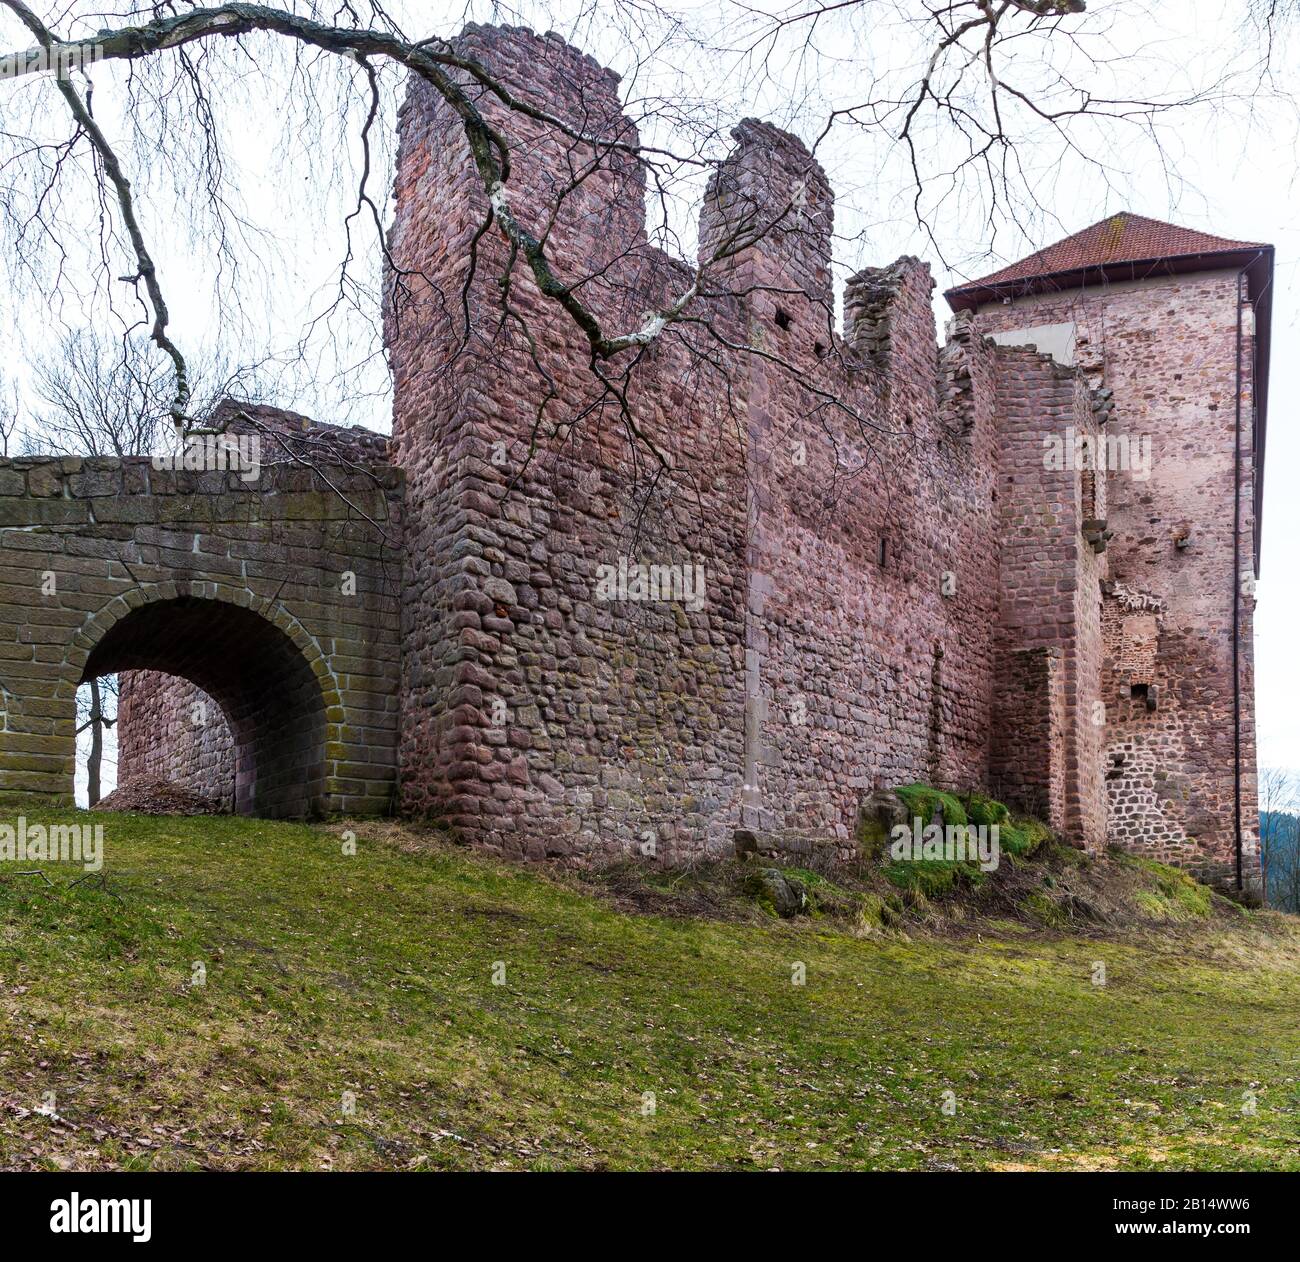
(373, 974)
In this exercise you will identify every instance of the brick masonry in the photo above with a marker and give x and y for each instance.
(896, 583)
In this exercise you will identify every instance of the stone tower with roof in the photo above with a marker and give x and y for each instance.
(1173, 325)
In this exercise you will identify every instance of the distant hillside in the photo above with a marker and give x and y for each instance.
(1279, 835)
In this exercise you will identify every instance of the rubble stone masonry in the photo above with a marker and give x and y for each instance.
(846, 515)
(1167, 349)
(176, 732)
(783, 563)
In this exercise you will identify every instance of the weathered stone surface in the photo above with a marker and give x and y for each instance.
(786, 895)
(897, 589)
(1165, 348)
(236, 640)
(884, 808)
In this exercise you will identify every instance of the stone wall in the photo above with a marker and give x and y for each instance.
(537, 718)
(277, 597)
(1049, 584)
(845, 514)
(876, 572)
(872, 564)
(1167, 349)
(169, 729)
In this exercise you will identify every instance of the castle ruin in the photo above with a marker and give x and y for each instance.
(790, 565)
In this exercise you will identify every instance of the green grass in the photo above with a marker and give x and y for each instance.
(373, 974)
(1175, 896)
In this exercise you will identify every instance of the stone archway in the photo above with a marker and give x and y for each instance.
(279, 598)
(266, 675)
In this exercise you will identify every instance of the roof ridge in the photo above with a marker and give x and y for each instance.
(1132, 238)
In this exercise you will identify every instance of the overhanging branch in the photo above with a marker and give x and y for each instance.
(431, 60)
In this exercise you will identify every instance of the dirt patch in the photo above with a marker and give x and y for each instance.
(712, 891)
(159, 797)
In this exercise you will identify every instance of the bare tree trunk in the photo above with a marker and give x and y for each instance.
(96, 745)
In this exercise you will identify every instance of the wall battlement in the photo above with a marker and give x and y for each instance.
(847, 522)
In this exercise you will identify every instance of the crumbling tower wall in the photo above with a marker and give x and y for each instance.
(844, 516)
(537, 717)
(1049, 721)
(1168, 349)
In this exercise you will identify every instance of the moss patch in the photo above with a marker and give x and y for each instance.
(982, 810)
(937, 878)
(1022, 836)
(923, 801)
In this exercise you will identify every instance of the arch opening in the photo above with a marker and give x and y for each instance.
(96, 740)
(267, 692)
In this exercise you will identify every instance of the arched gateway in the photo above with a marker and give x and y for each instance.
(277, 596)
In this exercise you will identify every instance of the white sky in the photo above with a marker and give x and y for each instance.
(1228, 167)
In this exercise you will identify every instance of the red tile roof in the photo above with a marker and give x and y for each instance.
(1121, 238)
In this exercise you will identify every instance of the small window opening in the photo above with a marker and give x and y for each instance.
(882, 554)
(1138, 691)
(819, 349)
(782, 319)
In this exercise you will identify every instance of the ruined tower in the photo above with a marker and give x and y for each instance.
(895, 588)
(1174, 325)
